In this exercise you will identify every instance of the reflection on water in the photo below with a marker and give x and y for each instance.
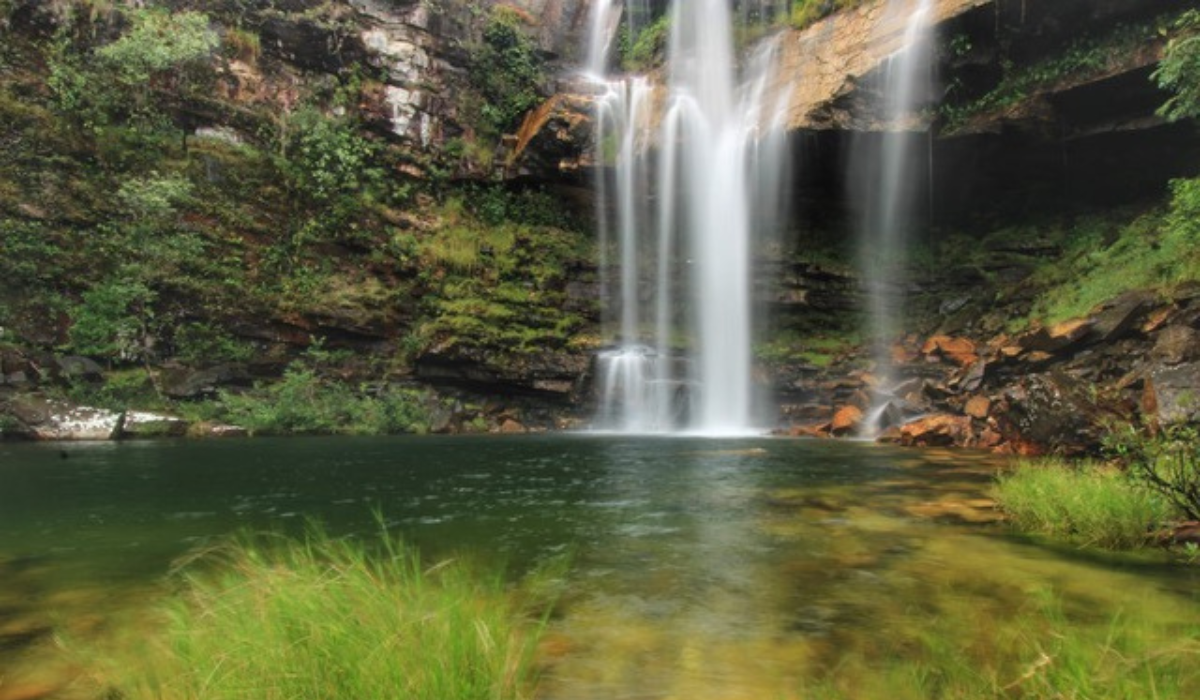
(703, 569)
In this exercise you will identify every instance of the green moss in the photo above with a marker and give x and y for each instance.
(807, 12)
(1106, 257)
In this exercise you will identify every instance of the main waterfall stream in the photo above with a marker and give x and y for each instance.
(700, 568)
(684, 176)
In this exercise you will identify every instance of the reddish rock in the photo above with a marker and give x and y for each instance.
(846, 420)
(960, 351)
(1157, 319)
(1056, 338)
(1185, 533)
(821, 430)
(989, 439)
(936, 431)
(978, 407)
(512, 427)
(1038, 357)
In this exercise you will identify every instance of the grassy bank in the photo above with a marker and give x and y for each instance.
(327, 618)
(1085, 503)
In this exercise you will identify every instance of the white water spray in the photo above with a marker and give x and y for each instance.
(891, 202)
(683, 287)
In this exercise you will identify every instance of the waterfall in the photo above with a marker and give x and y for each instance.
(689, 177)
(886, 178)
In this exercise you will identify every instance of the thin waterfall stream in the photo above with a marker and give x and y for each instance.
(886, 179)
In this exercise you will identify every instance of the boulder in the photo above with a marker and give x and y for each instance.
(187, 383)
(512, 427)
(1055, 413)
(140, 424)
(1174, 393)
(939, 430)
(978, 407)
(1055, 339)
(1176, 345)
(960, 351)
(47, 419)
(1117, 318)
(216, 430)
(76, 367)
(847, 420)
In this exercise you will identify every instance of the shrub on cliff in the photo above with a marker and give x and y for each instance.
(1179, 71)
(508, 71)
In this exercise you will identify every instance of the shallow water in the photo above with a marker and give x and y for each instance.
(702, 569)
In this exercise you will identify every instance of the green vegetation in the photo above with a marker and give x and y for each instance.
(1085, 503)
(1179, 70)
(1105, 257)
(1043, 650)
(648, 49)
(815, 347)
(1166, 462)
(497, 272)
(303, 402)
(807, 12)
(508, 71)
(1086, 56)
(331, 618)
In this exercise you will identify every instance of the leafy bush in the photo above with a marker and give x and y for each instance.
(206, 343)
(113, 320)
(1179, 70)
(649, 49)
(160, 42)
(1085, 56)
(1167, 463)
(508, 71)
(305, 403)
(331, 618)
(1085, 503)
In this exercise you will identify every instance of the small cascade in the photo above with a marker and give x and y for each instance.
(689, 179)
(886, 179)
(602, 31)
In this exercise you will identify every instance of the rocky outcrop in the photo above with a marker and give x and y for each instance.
(40, 418)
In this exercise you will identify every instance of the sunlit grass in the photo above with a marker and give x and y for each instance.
(328, 618)
(1085, 503)
(1035, 652)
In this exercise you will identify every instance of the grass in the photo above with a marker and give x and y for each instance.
(1040, 651)
(1084, 503)
(1156, 250)
(266, 619)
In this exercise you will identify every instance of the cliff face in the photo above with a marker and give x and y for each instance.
(345, 172)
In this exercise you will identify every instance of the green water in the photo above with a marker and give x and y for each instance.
(701, 569)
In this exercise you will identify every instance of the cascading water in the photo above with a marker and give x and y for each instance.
(886, 178)
(681, 191)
